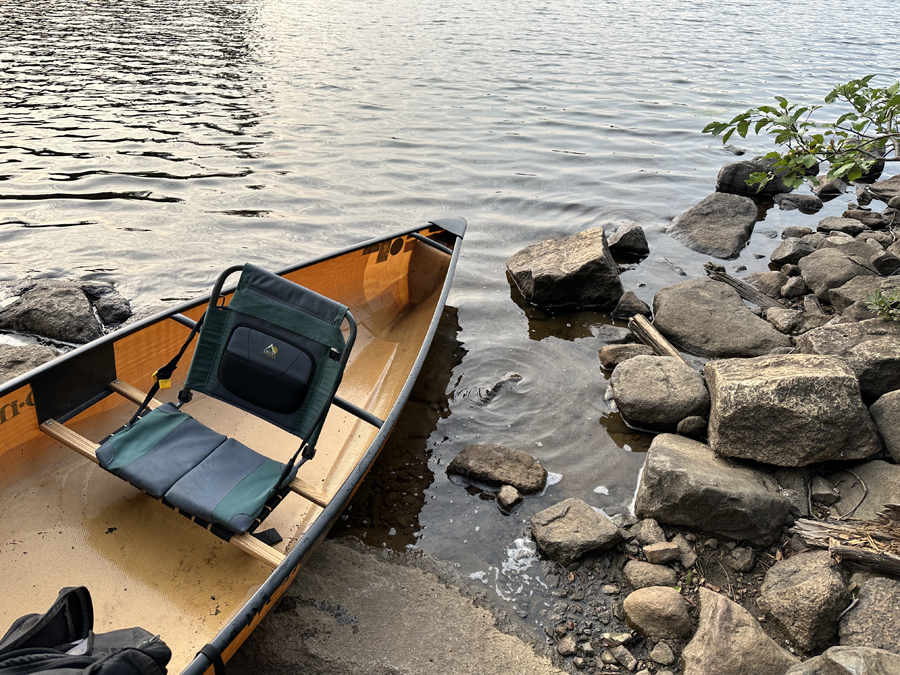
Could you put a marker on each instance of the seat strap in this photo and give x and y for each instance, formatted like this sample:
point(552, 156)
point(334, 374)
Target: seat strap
point(163, 376)
point(215, 657)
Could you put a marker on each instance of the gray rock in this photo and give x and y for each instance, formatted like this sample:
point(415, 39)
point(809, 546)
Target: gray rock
point(740, 559)
point(859, 289)
point(658, 611)
point(497, 465)
point(684, 483)
point(794, 287)
point(508, 497)
point(868, 218)
point(729, 641)
point(829, 189)
point(795, 231)
point(845, 225)
point(662, 654)
point(790, 271)
point(113, 309)
point(794, 484)
point(613, 355)
point(577, 270)
point(613, 335)
point(850, 661)
point(55, 309)
point(829, 268)
point(849, 246)
point(769, 283)
point(882, 486)
point(642, 574)
point(886, 415)
point(790, 251)
point(815, 238)
point(647, 532)
point(568, 530)
point(788, 410)
point(629, 239)
point(710, 319)
point(885, 262)
point(870, 348)
point(16, 360)
point(624, 657)
point(785, 320)
point(858, 311)
point(688, 556)
point(808, 204)
point(629, 305)
point(804, 596)
point(733, 178)
point(823, 492)
point(719, 226)
point(566, 646)
point(692, 427)
point(872, 623)
point(883, 238)
point(662, 552)
point(657, 392)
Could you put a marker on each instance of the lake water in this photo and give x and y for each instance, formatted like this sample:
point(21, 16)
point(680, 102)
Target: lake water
point(153, 143)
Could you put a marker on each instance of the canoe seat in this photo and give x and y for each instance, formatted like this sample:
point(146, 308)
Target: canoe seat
point(277, 351)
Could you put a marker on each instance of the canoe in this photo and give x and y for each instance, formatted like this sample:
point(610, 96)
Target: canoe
point(67, 522)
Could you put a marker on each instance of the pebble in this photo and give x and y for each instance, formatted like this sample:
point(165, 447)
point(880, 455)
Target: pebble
point(609, 589)
point(661, 553)
point(607, 657)
point(624, 657)
point(566, 646)
point(662, 654)
point(616, 639)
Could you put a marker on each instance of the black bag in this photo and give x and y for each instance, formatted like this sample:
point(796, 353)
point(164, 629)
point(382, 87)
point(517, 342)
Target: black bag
point(61, 642)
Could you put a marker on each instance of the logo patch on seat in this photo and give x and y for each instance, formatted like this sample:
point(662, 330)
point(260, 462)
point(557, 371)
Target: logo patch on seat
point(270, 351)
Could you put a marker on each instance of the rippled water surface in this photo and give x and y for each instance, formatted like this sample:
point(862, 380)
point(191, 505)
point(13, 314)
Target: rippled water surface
point(153, 143)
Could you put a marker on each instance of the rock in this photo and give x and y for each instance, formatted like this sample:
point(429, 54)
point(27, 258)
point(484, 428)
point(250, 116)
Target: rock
point(720, 225)
point(661, 553)
point(692, 427)
point(788, 410)
point(648, 532)
point(845, 225)
point(740, 559)
point(882, 486)
point(729, 641)
point(16, 360)
point(807, 204)
point(794, 485)
point(827, 190)
point(886, 190)
point(571, 528)
point(643, 574)
point(790, 271)
point(784, 320)
point(815, 239)
point(823, 492)
point(804, 596)
point(828, 268)
point(797, 231)
point(709, 318)
point(857, 312)
point(850, 661)
point(566, 646)
point(508, 497)
point(871, 349)
point(629, 239)
point(658, 611)
point(684, 483)
point(577, 270)
point(858, 289)
point(868, 218)
point(885, 262)
point(613, 335)
point(794, 287)
point(790, 251)
point(872, 623)
point(688, 556)
point(657, 392)
point(624, 657)
point(769, 283)
point(883, 238)
point(849, 246)
point(113, 309)
point(54, 309)
point(629, 305)
point(662, 654)
point(886, 415)
point(497, 465)
point(733, 179)
point(613, 355)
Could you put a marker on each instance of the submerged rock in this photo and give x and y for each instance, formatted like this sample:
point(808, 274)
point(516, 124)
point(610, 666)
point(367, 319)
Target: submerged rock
point(568, 530)
point(719, 226)
point(577, 270)
point(498, 465)
point(788, 410)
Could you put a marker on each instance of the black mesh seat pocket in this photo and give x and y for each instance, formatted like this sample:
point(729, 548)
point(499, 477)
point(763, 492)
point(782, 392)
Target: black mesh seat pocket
point(265, 371)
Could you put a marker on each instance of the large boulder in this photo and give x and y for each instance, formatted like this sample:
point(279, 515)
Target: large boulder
point(866, 490)
point(849, 661)
point(849, 226)
point(18, 359)
point(858, 289)
point(828, 268)
point(886, 190)
point(804, 596)
point(657, 392)
point(55, 309)
point(709, 318)
point(873, 621)
point(658, 611)
point(577, 270)
point(571, 528)
point(886, 415)
point(788, 410)
point(719, 226)
point(684, 483)
point(729, 641)
point(871, 348)
point(497, 465)
point(733, 178)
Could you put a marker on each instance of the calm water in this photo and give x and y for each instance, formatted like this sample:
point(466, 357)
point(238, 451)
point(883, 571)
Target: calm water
point(153, 143)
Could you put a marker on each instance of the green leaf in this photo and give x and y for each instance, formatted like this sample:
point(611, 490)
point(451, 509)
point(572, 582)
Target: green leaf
point(727, 135)
point(782, 102)
point(760, 124)
point(742, 128)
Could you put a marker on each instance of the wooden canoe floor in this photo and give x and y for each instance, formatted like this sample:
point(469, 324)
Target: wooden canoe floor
point(66, 522)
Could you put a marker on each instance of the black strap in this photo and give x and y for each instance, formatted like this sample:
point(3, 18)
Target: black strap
point(215, 657)
point(166, 371)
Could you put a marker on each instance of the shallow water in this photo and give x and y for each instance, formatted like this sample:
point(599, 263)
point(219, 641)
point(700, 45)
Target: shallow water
point(154, 143)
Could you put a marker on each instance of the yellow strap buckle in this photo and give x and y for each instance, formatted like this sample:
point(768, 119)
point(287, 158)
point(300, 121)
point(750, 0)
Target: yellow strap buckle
point(163, 384)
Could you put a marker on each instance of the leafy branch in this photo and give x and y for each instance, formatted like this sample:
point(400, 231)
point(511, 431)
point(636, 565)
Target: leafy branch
point(865, 132)
point(887, 306)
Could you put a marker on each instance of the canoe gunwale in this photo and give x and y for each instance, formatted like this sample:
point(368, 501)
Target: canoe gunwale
point(323, 523)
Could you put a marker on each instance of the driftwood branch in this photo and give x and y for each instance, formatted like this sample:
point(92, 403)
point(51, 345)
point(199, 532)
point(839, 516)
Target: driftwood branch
point(745, 290)
point(651, 337)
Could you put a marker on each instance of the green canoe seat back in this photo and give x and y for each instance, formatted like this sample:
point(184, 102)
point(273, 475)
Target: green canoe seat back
point(171, 456)
point(276, 351)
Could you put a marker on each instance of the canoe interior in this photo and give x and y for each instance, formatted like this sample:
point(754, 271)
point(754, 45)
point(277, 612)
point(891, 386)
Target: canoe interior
point(66, 522)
